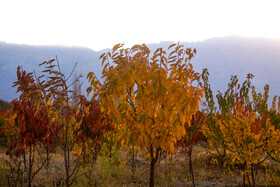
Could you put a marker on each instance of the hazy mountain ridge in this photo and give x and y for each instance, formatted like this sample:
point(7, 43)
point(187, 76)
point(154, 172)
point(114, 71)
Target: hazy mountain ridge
point(29, 57)
point(239, 56)
point(222, 56)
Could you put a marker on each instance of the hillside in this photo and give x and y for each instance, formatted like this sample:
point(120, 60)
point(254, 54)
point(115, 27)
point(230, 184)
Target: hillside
point(4, 106)
point(222, 56)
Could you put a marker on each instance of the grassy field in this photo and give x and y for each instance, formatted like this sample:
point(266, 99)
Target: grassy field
point(170, 171)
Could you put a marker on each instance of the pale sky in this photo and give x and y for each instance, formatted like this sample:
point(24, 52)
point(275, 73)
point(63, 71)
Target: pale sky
point(104, 23)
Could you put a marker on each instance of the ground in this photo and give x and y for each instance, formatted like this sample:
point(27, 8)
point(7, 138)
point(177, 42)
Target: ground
point(170, 171)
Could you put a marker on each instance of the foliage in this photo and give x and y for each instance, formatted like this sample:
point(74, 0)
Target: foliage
point(145, 101)
point(149, 97)
point(43, 117)
point(274, 116)
point(27, 127)
point(93, 128)
point(94, 124)
point(260, 102)
point(193, 131)
point(80, 130)
point(244, 132)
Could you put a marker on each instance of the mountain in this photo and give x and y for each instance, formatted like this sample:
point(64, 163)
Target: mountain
point(239, 56)
point(222, 57)
point(29, 57)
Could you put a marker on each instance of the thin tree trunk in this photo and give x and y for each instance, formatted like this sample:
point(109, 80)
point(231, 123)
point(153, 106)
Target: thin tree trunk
point(152, 172)
point(244, 182)
point(65, 149)
point(190, 165)
point(249, 181)
point(48, 158)
point(66, 167)
point(67, 144)
point(92, 166)
point(133, 160)
point(8, 179)
point(153, 163)
point(190, 159)
point(244, 177)
point(68, 157)
point(24, 159)
point(253, 175)
point(30, 166)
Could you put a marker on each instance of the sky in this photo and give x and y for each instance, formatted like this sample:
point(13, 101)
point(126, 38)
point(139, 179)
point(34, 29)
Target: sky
point(100, 24)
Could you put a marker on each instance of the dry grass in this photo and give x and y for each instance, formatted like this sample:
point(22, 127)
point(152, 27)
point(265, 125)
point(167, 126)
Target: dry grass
point(171, 171)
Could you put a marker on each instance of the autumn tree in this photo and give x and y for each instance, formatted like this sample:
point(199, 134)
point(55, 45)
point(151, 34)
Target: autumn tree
point(56, 97)
point(77, 127)
point(44, 114)
point(149, 96)
point(246, 137)
point(28, 129)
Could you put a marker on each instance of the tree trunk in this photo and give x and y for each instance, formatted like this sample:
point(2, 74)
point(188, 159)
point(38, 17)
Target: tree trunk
point(31, 162)
point(244, 176)
point(253, 175)
point(133, 160)
point(190, 159)
point(66, 147)
point(249, 181)
point(48, 158)
point(66, 167)
point(190, 165)
point(153, 163)
point(244, 183)
point(24, 159)
point(152, 173)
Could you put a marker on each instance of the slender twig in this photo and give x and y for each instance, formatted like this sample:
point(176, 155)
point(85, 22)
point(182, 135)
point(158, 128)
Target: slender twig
point(73, 69)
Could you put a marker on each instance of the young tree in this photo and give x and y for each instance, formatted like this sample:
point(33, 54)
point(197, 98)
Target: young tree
point(149, 97)
point(28, 125)
point(56, 93)
point(48, 99)
point(246, 136)
point(80, 124)
point(44, 115)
